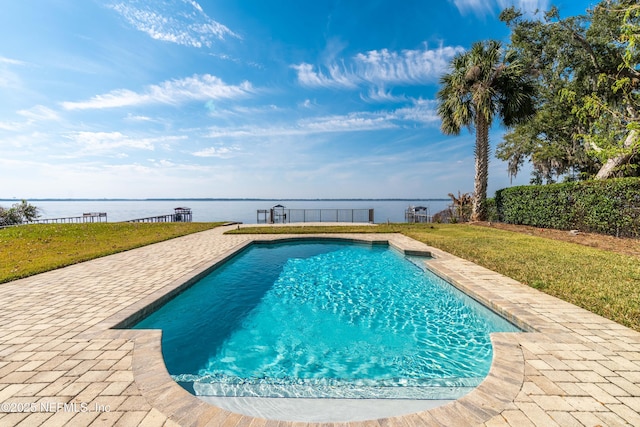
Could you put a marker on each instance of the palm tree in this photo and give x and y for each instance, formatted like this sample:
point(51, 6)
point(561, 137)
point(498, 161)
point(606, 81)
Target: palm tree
point(483, 82)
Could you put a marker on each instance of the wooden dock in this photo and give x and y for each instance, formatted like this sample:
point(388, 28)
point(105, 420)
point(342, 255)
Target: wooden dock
point(180, 215)
point(86, 217)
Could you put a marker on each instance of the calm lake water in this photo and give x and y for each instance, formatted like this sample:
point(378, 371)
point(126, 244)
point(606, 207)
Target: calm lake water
point(221, 210)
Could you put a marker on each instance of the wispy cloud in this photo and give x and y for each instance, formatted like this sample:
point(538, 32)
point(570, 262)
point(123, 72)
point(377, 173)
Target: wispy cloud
point(477, 7)
point(93, 143)
point(307, 103)
point(379, 68)
point(355, 122)
point(380, 94)
point(405, 67)
point(191, 26)
point(38, 113)
point(10, 61)
point(12, 126)
point(220, 152)
point(138, 118)
point(31, 116)
point(529, 7)
point(332, 76)
point(421, 111)
point(352, 122)
point(483, 8)
point(417, 112)
point(195, 88)
point(8, 78)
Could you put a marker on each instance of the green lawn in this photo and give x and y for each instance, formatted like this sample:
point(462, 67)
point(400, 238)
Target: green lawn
point(31, 249)
point(601, 281)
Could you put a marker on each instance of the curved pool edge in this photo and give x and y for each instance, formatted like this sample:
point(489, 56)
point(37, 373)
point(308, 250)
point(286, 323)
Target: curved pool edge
point(494, 395)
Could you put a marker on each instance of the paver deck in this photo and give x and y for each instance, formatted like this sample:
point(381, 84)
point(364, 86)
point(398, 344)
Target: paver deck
point(61, 363)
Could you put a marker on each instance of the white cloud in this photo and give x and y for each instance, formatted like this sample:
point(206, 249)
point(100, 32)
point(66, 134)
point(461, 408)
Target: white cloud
point(104, 141)
point(197, 87)
point(220, 152)
point(482, 8)
point(354, 122)
point(477, 7)
point(74, 179)
point(416, 112)
point(181, 22)
point(32, 115)
point(38, 113)
point(380, 94)
point(529, 7)
point(7, 77)
point(139, 118)
point(424, 111)
point(10, 61)
point(12, 126)
point(93, 143)
point(333, 77)
point(163, 163)
point(380, 67)
point(307, 103)
point(405, 67)
point(27, 144)
point(260, 109)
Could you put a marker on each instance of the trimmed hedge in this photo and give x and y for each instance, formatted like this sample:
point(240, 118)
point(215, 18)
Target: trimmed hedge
point(610, 206)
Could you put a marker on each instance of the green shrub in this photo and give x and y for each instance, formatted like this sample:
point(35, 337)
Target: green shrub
point(492, 210)
point(18, 214)
point(610, 207)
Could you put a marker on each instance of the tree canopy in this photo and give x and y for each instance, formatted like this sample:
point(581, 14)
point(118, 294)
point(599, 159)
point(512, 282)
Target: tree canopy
point(588, 93)
point(18, 214)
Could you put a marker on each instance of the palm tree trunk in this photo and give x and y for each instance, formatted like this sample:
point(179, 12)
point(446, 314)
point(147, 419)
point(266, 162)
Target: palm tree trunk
point(479, 212)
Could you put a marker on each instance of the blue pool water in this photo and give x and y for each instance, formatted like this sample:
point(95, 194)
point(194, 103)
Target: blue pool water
point(325, 319)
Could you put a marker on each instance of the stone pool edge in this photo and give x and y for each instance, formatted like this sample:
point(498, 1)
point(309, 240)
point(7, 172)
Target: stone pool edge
point(490, 398)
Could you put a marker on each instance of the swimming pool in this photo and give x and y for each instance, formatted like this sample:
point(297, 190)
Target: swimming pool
point(325, 319)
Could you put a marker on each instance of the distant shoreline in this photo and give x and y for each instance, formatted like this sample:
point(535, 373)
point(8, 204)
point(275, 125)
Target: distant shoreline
point(224, 199)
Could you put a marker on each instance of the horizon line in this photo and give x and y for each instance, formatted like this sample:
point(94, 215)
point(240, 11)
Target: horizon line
point(347, 199)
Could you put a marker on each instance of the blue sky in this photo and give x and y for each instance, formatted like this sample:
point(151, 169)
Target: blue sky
point(246, 98)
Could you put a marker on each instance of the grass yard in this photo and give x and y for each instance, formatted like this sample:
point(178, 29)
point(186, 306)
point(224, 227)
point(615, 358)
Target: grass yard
point(604, 282)
point(31, 249)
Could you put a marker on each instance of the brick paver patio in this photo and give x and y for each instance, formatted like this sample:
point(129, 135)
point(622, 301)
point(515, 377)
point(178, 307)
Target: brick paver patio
point(62, 364)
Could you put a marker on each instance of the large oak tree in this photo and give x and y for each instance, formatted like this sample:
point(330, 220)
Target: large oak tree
point(588, 91)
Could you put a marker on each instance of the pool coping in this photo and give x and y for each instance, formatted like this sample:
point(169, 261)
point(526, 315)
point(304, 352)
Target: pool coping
point(490, 398)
